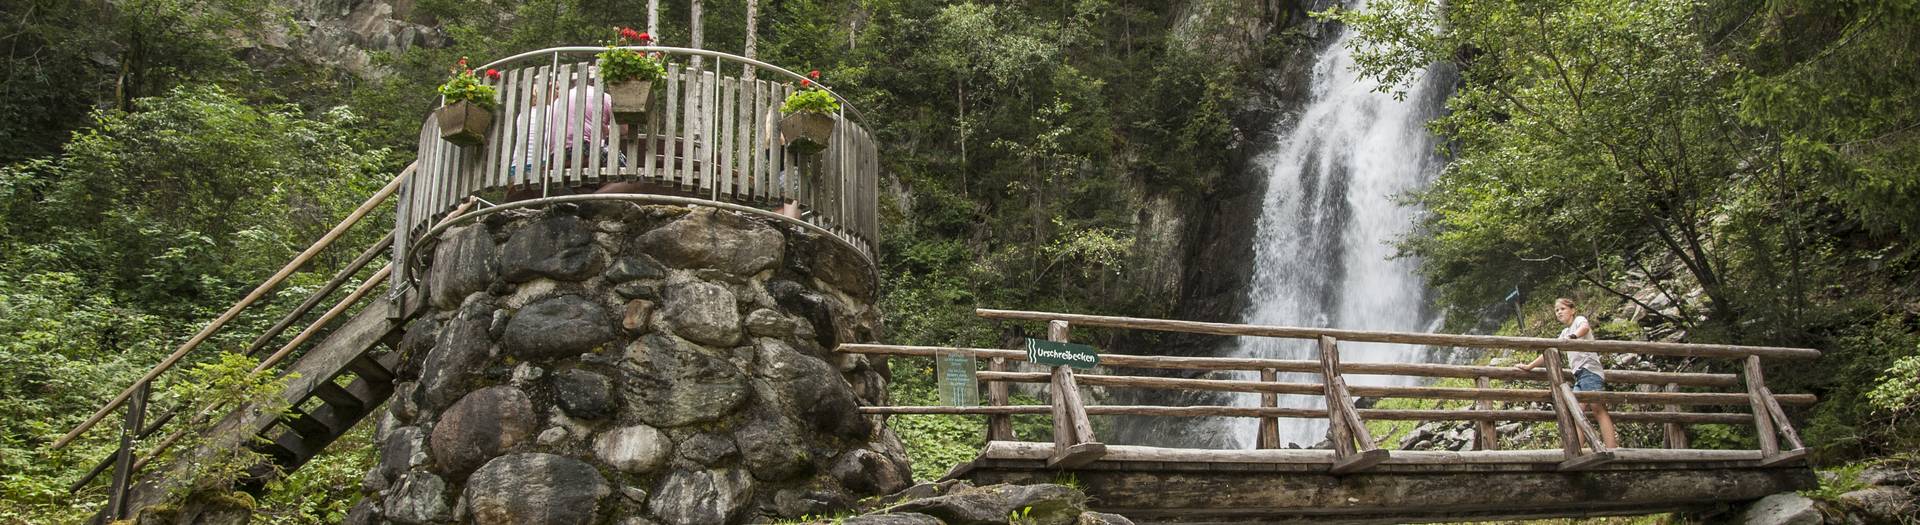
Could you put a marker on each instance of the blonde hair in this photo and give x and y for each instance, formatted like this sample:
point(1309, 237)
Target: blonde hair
point(1563, 301)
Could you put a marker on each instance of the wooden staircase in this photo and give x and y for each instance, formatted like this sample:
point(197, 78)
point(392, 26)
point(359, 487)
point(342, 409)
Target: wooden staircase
point(337, 383)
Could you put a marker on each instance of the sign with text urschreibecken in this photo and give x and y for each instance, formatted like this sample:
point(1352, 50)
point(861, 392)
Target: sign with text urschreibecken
point(1052, 353)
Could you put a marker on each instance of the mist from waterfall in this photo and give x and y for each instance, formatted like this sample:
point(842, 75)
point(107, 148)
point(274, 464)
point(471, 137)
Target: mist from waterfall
point(1322, 257)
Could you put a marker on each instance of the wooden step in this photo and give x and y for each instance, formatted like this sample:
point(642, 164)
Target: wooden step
point(334, 395)
point(369, 368)
point(306, 424)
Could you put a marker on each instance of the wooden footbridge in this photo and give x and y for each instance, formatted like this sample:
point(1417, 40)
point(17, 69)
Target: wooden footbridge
point(1358, 481)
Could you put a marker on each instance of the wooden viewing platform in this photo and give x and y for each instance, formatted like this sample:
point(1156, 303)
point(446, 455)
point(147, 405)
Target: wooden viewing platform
point(1356, 480)
point(710, 138)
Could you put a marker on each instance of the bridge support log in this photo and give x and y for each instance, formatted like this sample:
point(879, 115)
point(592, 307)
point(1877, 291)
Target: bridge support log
point(1352, 444)
point(1073, 441)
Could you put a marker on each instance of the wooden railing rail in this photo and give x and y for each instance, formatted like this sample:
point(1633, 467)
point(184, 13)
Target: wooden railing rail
point(1354, 448)
point(258, 292)
point(712, 133)
point(1414, 338)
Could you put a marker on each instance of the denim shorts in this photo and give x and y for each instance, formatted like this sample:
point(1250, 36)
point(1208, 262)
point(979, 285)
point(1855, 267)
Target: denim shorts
point(1586, 381)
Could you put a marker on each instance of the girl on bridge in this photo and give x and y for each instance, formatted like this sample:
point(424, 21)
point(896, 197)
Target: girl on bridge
point(1588, 375)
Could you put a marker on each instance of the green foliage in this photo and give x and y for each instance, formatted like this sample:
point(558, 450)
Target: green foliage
point(229, 380)
point(1898, 390)
point(1837, 481)
point(815, 101)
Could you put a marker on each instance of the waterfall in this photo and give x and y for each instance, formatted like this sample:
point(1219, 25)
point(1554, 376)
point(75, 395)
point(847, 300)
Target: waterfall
point(1321, 252)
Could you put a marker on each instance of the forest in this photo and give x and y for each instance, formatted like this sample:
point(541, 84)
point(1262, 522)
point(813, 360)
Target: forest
point(1756, 163)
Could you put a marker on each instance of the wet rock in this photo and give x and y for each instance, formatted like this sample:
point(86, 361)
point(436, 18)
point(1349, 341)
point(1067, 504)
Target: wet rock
point(482, 425)
point(773, 450)
point(768, 323)
point(809, 389)
point(558, 247)
point(867, 472)
point(702, 497)
point(583, 394)
point(899, 518)
point(634, 449)
point(707, 450)
point(1785, 508)
point(638, 312)
point(463, 263)
point(1881, 504)
point(535, 489)
point(557, 327)
point(670, 383)
point(414, 347)
point(1102, 518)
point(366, 512)
point(1044, 504)
point(709, 238)
point(404, 449)
point(419, 497)
point(457, 357)
point(636, 268)
point(702, 312)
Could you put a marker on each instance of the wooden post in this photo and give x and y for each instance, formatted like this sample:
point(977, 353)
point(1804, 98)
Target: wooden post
point(1073, 441)
point(1485, 435)
point(999, 427)
point(1569, 442)
point(1675, 432)
point(123, 460)
point(1762, 419)
point(1341, 411)
point(1269, 426)
point(1569, 410)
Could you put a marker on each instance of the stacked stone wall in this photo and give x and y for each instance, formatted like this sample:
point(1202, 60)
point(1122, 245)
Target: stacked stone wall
point(620, 363)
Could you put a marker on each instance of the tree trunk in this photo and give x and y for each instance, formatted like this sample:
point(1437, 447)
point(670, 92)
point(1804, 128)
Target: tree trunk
point(753, 35)
point(653, 19)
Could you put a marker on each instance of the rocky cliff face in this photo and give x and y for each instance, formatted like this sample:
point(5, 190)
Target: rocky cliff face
point(346, 33)
point(618, 363)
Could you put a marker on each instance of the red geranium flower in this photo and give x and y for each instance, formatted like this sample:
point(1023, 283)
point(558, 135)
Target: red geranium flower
point(645, 38)
point(806, 83)
point(493, 74)
point(815, 74)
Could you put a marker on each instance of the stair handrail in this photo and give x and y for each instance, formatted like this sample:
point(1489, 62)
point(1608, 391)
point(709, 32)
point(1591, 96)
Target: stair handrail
point(234, 311)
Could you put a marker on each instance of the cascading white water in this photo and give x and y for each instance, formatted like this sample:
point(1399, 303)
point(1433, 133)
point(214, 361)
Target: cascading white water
point(1321, 248)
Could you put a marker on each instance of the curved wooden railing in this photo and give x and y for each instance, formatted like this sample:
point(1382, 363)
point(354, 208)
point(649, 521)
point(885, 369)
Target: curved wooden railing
point(711, 133)
point(1354, 447)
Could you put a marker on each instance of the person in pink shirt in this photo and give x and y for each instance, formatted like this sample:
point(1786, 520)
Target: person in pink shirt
point(573, 125)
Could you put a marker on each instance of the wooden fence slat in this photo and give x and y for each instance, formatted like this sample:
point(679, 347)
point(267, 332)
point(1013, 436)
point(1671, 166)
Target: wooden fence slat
point(723, 171)
point(1485, 435)
point(1269, 437)
point(673, 150)
point(593, 131)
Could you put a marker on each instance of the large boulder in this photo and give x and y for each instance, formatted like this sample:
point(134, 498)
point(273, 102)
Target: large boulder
point(710, 238)
point(636, 449)
point(1785, 508)
point(703, 312)
point(463, 263)
point(702, 497)
point(456, 360)
point(558, 247)
point(482, 425)
point(990, 505)
point(419, 497)
point(809, 389)
point(1881, 504)
point(671, 383)
point(557, 327)
point(535, 489)
point(583, 394)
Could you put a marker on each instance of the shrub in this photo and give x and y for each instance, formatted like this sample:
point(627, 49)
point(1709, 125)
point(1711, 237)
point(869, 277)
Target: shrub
point(467, 86)
point(626, 65)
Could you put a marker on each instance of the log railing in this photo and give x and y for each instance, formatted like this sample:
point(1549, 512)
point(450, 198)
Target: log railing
point(1354, 448)
point(711, 132)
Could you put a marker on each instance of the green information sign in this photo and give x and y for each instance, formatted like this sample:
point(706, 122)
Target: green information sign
point(958, 387)
point(1053, 353)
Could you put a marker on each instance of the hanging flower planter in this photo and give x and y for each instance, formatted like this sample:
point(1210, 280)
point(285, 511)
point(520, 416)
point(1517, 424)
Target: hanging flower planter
point(468, 113)
point(629, 74)
point(464, 123)
point(807, 124)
